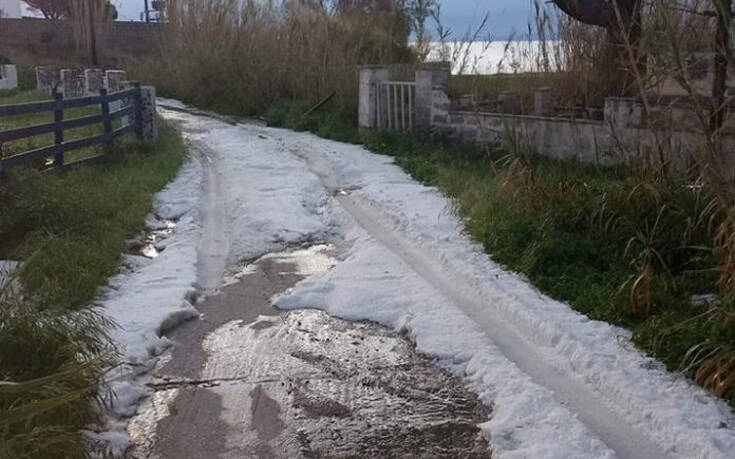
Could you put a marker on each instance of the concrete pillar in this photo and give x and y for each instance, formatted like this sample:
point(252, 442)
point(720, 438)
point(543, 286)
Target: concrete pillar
point(543, 102)
point(72, 83)
point(126, 102)
point(113, 80)
point(47, 78)
point(8, 77)
point(148, 112)
point(432, 99)
point(113, 83)
point(370, 78)
point(94, 80)
point(509, 102)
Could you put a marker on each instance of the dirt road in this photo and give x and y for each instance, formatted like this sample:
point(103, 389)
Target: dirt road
point(333, 236)
point(251, 381)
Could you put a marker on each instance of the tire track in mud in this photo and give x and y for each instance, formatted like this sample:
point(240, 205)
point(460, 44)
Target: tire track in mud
point(252, 381)
point(213, 247)
point(609, 427)
point(247, 380)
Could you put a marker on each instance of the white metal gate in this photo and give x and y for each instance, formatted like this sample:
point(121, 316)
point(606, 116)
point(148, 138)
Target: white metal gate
point(395, 108)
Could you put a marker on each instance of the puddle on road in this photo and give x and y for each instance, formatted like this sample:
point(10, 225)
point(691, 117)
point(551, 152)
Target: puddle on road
point(371, 393)
point(301, 383)
point(150, 244)
point(314, 260)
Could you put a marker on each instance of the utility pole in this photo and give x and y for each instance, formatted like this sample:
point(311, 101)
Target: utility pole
point(146, 12)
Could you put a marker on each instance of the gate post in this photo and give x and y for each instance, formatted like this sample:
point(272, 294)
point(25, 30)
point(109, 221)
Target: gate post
point(432, 100)
point(370, 78)
point(147, 113)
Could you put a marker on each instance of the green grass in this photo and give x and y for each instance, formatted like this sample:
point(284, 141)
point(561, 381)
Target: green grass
point(72, 227)
point(70, 230)
point(333, 123)
point(581, 234)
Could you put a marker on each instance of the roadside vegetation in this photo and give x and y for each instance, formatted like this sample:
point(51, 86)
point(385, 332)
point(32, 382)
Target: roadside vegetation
point(69, 232)
point(615, 244)
point(642, 246)
point(239, 57)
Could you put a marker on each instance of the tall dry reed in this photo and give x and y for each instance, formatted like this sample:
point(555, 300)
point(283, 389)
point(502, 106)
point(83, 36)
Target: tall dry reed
point(240, 57)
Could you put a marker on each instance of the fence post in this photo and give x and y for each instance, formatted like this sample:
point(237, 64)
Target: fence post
point(59, 128)
point(148, 112)
point(138, 111)
point(106, 121)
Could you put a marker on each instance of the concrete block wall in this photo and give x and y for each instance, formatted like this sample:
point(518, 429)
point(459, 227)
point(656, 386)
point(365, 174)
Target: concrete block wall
point(72, 83)
point(75, 83)
point(78, 83)
point(626, 133)
point(94, 80)
point(47, 79)
point(114, 80)
point(8, 76)
point(554, 137)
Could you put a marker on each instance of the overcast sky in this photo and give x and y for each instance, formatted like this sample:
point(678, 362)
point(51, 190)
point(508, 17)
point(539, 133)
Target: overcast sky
point(506, 16)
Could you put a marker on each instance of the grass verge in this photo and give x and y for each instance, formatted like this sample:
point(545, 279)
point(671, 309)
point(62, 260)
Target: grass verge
point(69, 230)
point(72, 228)
point(616, 245)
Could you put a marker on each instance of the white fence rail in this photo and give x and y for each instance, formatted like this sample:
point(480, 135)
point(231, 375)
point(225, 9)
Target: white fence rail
point(395, 105)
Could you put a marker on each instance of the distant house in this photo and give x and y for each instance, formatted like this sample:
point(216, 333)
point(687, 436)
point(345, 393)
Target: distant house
point(10, 9)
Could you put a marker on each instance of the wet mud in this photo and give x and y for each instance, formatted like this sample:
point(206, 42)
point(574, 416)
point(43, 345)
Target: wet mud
point(249, 380)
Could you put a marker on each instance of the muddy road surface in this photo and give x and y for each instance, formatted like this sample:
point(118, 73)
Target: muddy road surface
point(248, 380)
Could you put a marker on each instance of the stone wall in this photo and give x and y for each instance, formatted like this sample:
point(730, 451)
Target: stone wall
point(559, 138)
point(672, 131)
point(90, 82)
point(34, 40)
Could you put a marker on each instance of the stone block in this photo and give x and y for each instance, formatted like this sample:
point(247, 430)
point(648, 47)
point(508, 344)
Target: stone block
point(114, 80)
point(544, 102)
point(148, 112)
point(72, 83)
point(47, 79)
point(114, 83)
point(509, 103)
point(94, 80)
point(8, 77)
